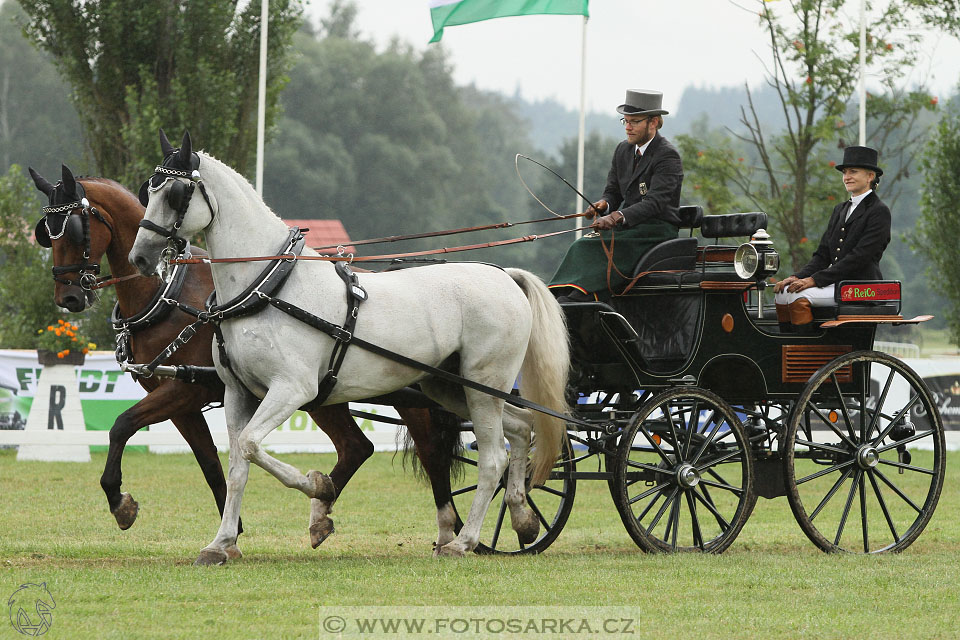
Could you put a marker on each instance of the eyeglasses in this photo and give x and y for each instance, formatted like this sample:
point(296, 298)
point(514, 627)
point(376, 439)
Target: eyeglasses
point(633, 122)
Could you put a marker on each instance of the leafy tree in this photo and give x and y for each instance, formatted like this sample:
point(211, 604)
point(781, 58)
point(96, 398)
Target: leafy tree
point(26, 302)
point(135, 66)
point(938, 231)
point(814, 69)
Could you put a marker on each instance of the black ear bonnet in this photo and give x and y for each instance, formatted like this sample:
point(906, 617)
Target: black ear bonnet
point(172, 161)
point(57, 221)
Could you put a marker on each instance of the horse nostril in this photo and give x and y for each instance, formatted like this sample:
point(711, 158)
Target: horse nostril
point(73, 303)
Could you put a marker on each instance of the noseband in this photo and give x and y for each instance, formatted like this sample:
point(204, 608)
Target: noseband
point(76, 227)
point(179, 200)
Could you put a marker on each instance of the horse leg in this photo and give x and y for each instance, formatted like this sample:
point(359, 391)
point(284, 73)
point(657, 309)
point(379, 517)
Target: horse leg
point(353, 449)
point(517, 426)
point(435, 443)
point(486, 413)
point(153, 408)
point(239, 405)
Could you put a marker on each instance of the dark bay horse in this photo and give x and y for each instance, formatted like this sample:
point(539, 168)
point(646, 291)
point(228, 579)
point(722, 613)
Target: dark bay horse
point(80, 235)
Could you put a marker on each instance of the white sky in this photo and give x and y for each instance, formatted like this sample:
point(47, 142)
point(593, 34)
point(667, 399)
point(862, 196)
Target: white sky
point(664, 45)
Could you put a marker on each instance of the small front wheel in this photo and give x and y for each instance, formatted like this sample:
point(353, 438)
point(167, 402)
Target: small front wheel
point(684, 473)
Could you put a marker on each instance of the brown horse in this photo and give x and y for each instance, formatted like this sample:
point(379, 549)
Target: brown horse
point(91, 217)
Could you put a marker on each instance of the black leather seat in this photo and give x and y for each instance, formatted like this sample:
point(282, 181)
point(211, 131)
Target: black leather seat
point(678, 254)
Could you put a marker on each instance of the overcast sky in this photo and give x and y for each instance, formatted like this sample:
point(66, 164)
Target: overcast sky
point(639, 44)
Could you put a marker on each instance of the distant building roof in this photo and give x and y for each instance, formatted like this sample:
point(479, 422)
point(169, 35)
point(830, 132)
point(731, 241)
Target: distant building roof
point(323, 233)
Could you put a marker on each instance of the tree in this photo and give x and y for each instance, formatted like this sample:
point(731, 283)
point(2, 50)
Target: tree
point(181, 64)
point(938, 231)
point(814, 69)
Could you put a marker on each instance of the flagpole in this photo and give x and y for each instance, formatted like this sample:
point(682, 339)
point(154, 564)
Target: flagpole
point(863, 73)
point(262, 92)
point(583, 109)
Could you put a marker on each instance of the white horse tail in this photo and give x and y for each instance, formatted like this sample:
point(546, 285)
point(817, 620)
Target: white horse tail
point(543, 376)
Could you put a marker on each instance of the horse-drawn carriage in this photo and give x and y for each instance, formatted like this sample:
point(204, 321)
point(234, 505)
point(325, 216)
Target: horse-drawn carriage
point(688, 400)
point(700, 405)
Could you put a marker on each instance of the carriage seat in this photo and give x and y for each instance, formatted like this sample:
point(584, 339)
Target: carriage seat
point(733, 225)
point(678, 254)
point(862, 298)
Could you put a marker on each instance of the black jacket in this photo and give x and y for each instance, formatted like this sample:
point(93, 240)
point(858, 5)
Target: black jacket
point(659, 174)
point(851, 250)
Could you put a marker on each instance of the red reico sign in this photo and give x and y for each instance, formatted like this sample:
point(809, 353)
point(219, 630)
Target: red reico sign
point(870, 292)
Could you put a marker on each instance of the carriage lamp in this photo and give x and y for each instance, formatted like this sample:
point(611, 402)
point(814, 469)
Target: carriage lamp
point(756, 259)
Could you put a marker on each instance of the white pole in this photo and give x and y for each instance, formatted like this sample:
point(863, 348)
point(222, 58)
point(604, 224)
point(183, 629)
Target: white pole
point(863, 72)
point(583, 110)
point(262, 97)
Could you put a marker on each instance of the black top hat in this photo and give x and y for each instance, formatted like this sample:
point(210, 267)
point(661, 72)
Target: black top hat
point(862, 158)
point(642, 103)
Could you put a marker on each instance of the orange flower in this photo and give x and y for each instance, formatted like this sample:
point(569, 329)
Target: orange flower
point(832, 163)
point(50, 327)
point(934, 100)
point(60, 321)
point(61, 354)
point(699, 154)
point(803, 240)
point(809, 80)
point(85, 350)
point(831, 198)
point(70, 333)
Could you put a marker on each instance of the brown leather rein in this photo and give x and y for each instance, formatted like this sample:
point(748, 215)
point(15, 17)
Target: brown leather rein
point(411, 254)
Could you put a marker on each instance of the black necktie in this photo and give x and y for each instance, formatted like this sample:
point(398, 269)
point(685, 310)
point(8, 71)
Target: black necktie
point(636, 159)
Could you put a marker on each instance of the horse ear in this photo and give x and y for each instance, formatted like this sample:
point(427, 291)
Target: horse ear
point(42, 183)
point(69, 182)
point(165, 145)
point(186, 149)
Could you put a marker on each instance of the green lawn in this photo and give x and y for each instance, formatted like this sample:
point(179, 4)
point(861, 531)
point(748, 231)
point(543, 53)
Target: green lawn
point(140, 583)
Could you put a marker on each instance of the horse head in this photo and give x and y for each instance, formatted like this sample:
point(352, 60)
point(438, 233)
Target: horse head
point(78, 234)
point(171, 214)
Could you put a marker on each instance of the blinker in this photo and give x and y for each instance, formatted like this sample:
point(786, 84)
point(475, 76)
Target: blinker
point(74, 230)
point(175, 197)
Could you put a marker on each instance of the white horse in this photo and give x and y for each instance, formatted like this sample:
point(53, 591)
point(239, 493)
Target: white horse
point(495, 323)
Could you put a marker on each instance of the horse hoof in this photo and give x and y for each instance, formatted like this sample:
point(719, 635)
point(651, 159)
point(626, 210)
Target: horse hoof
point(448, 551)
point(528, 531)
point(324, 489)
point(320, 531)
point(126, 512)
point(210, 557)
point(233, 552)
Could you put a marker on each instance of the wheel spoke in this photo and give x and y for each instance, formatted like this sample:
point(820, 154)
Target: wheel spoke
point(551, 490)
point(880, 401)
point(458, 492)
point(814, 476)
point(639, 497)
point(703, 447)
point(883, 504)
point(914, 437)
point(659, 515)
point(648, 507)
point(694, 522)
point(908, 467)
point(863, 515)
point(719, 485)
point(843, 407)
point(533, 506)
point(897, 491)
point(832, 427)
point(846, 507)
point(499, 524)
point(674, 523)
point(673, 431)
point(647, 467)
point(830, 494)
point(653, 443)
point(712, 509)
point(715, 461)
point(895, 419)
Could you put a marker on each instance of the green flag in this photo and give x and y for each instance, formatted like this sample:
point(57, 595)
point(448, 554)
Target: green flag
point(449, 13)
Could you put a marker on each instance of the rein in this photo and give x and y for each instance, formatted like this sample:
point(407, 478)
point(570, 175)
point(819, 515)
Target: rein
point(377, 258)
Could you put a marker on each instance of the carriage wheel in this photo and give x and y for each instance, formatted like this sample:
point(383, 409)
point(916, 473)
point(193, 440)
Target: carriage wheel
point(684, 473)
point(551, 501)
point(864, 474)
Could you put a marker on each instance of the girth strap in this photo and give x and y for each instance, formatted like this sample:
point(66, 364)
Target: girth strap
point(355, 295)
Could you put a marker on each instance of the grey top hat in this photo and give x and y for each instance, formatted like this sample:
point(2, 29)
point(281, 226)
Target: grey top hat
point(642, 103)
point(861, 158)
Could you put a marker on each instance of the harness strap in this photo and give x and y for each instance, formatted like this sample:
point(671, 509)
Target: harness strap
point(355, 295)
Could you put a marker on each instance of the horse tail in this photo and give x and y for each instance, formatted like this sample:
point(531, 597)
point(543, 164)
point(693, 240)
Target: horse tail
point(543, 376)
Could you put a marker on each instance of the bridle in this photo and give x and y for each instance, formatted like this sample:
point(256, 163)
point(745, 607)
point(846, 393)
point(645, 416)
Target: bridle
point(74, 219)
point(178, 198)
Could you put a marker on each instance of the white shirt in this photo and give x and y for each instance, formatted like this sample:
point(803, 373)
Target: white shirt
point(855, 200)
point(642, 150)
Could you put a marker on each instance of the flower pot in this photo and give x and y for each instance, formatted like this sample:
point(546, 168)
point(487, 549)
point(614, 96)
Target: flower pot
point(48, 358)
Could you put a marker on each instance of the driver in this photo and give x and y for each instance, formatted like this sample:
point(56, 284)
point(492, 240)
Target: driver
point(850, 249)
point(641, 202)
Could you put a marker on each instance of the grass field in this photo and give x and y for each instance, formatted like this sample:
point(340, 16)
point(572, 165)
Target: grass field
point(55, 528)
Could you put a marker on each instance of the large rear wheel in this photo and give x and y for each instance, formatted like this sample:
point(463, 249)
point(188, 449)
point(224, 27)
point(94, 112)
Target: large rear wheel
point(864, 455)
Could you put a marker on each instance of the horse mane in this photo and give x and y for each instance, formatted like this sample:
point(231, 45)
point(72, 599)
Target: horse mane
point(108, 182)
point(240, 182)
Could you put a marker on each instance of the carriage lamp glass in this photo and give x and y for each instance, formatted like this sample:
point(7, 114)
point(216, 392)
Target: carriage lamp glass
point(756, 259)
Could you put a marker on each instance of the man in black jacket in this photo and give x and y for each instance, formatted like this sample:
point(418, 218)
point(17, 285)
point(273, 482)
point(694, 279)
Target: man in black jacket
point(640, 203)
point(857, 234)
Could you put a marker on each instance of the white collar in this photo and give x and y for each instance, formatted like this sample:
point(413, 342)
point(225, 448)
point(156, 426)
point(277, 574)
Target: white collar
point(855, 200)
point(643, 149)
